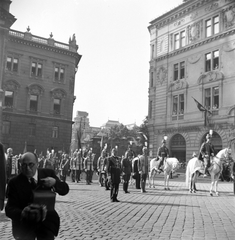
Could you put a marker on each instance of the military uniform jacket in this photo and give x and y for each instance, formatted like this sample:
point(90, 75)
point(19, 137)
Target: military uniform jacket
point(100, 163)
point(206, 149)
point(126, 166)
point(114, 169)
point(79, 162)
point(143, 164)
point(88, 163)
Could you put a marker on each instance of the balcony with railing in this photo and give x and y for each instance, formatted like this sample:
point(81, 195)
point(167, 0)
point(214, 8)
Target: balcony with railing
point(72, 46)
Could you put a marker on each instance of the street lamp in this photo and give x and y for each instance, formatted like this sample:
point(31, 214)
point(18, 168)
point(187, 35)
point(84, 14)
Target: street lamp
point(165, 137)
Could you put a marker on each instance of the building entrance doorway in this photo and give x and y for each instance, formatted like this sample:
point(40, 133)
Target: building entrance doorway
point(178, 147)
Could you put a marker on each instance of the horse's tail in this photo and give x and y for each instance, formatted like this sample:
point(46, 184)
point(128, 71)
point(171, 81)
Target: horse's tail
point(187, 175)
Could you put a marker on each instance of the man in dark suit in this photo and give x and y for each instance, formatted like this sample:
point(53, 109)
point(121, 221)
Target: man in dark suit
point(114, 174)
point(27, 222)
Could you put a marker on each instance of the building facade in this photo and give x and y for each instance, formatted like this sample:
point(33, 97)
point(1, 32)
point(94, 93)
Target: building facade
point(38, 79)
point(192, 57)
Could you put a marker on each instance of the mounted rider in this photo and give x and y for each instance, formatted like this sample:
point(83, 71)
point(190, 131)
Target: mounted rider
point(162, 154)
point(207, 152)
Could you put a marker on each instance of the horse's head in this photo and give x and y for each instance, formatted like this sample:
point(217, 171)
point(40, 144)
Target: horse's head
point(224, 154)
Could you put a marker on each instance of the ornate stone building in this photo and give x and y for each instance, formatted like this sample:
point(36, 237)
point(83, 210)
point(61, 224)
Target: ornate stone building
point(192, 57)
point(37, 78)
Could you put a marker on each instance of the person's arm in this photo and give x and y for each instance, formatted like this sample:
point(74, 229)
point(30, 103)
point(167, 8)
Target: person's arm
point(13, 209)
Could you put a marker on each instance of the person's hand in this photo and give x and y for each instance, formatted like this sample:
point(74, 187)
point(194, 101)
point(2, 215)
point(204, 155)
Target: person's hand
point(48, 181)
point(32, 213)
point(140, 172)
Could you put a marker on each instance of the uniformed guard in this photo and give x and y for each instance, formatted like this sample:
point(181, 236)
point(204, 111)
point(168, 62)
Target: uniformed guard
point(207, 152)
point(126, 165)
point(114, 174)
point(143, 168)
point(73, 166)
point(88, 166)
point(79, 165)
point(101, 166)
point(162, 154)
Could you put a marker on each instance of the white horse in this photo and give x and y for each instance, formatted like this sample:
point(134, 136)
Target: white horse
point(170, 165)
point(194, 166)
point(217, 167)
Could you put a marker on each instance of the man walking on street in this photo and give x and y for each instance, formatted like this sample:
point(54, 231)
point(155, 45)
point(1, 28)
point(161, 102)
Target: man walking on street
point(114, 173)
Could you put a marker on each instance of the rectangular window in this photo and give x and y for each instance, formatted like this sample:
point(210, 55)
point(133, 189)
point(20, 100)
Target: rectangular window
point(33, 105)
point(182, 38)
point(175, 105)
point(208, 62)
point(57, 103)
point(6, 125)
point(55, 132)
point(179, 71)
point(150, 109)
point(208, 98)
point(9, 97)
point(215, 98)
point(59, 74)
point(182, 70)
point(36, 69)
point(177, 41)
point(178, 105)
point(208, 28)
point(151, 79)
point(181, 104)
point(12, 64)
point(176, 71)
point(215, 59)
point(212, 26)
point(152, 51)
point(32, 129)
point(216, 25)
point(212, 61)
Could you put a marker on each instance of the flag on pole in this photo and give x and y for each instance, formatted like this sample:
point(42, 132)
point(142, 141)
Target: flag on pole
point(203, 109)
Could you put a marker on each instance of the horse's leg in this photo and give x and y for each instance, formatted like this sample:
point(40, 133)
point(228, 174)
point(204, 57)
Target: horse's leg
point(154, 171)
point(212, 184)
point(191, 183)
point(167, 181)
point(216, 185)
point(149, 179)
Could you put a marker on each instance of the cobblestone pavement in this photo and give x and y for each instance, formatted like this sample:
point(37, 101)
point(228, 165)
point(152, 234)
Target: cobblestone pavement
point(86, 213)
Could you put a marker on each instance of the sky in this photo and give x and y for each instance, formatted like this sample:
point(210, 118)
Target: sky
point(113, 38)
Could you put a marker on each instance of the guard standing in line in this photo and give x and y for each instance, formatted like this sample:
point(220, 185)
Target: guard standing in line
point(79, 165)
point(207, 151)
point(126, 165)
point(114, 174)
point(162, 154)
point(143, 168)
point(101, 166)
point(73, 166)
point(88, 166)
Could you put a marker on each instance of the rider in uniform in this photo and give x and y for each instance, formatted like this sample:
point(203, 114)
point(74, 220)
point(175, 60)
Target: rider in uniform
point(162, 154)
point(114, 173)
point(207, 151)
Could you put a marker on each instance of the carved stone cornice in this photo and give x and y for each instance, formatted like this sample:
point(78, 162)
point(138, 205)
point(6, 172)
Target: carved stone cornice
point(183, 10)
point(11, 85)
point(198, 44)
point(178, 85)
point(35, 89)
point(58, 93)
point(210, 77)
